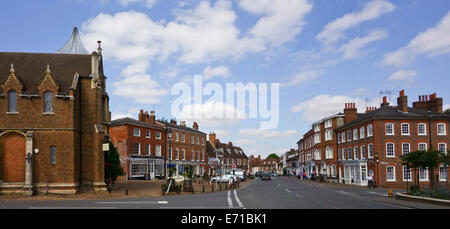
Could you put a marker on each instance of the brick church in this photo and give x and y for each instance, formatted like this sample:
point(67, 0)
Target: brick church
point(54, 117)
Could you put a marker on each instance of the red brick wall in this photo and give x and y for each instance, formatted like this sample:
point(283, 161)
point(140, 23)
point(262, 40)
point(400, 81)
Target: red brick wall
point(13, 157)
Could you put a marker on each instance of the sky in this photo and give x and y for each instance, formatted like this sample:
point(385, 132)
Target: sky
point(323, 54)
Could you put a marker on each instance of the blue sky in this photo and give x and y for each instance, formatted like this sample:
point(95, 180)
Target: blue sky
point(324, 53)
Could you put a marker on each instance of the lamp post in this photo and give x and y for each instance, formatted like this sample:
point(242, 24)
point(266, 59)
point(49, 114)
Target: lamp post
point(378, 175)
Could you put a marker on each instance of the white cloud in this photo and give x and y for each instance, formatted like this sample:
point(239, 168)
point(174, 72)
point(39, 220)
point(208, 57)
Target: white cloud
point(147, 3)
point(301, 77)
point(433, 42)
point(211, 114)
point(264, 133)
point(221, 71)
point(403, 75)
point(140, 87)
point(281, 21)
point(353, 48)
point(335, 30)
point(445, 107)
point(322, 106)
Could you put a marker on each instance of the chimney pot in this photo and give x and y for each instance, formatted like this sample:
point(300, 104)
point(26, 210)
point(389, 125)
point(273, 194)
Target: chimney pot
point(402, 93)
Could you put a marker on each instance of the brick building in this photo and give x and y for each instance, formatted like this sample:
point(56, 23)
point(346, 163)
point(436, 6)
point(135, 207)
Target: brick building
point(292, 166)
point(273, 165)
point(186, 147)
point(141, 145)
point(325, 146)
point(54, 117)
point(373, 142)
point(232, 157)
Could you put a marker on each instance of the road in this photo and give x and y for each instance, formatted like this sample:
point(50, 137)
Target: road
point(279, 193)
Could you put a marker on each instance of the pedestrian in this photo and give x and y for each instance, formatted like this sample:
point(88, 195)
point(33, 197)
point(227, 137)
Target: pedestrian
point(313, 176)
point(351, 178)
point(370, 180)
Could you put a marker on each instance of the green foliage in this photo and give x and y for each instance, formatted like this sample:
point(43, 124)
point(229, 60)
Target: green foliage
point(171, 171)
point(188, 172)
point(272, 156)
point(112, 165)
point(425, 159)
point(447, 111)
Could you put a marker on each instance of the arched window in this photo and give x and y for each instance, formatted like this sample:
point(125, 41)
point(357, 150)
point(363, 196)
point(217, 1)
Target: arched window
point(12, 101)
point(48, 102)
point(53, 155)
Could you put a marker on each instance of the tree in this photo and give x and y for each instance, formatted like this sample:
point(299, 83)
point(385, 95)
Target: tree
point(272, 156)
point(425, 159)
point(113, 169)
point(447, 111)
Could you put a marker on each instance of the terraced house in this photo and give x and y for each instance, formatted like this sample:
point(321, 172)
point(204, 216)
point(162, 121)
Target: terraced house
point(233, 157)
point(141, 146)
point(54, 117)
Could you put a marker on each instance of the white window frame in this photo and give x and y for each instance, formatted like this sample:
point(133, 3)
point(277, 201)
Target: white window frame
point(393, 150)
point(177, 156)
point(442, 171)
point(158, 152)
point(349, 135)
point(355, 134)
point(369, 130)
point(409, 129)
point(183, 154)
point(148, 134)
point(134, 132)
point(370, 151)
point(362, 132)
point(386, 129)
point(363, 152)
point(409, 178)
point(424, 129)
point(148, 149)
point(445, 147)
point(403, 148)
point(393, 174)
point(445, 129)
point(157, 135)
point(355, 153)
point(344, 151)
point(422, 143)
point(176, 136)
point(139, 148)
point(425, 177)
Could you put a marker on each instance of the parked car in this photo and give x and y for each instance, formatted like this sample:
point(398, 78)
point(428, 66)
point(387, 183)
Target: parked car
point(274, 174)
point(224, 178)
point(266, 176)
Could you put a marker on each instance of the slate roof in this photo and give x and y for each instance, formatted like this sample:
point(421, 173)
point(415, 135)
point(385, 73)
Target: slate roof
point(185, 128)
point(124, 121)
point(30, 69)
point(392, 112)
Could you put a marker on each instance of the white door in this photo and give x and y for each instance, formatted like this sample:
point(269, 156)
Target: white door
point(152, 169)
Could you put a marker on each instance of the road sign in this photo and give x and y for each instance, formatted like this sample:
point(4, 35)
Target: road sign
point(106, 147)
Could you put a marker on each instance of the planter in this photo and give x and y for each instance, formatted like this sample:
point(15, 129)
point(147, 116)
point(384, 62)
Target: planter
point(187, 186)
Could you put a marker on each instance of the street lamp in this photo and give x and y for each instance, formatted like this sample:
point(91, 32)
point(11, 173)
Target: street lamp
point(378, 175)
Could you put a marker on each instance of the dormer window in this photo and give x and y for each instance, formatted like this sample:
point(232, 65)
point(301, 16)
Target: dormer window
point(12, 102)
point(48, 102)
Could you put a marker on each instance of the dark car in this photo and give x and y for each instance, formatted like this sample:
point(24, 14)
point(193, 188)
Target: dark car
point(266, 176)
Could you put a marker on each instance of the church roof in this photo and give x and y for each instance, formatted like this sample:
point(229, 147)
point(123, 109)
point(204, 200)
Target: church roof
point(74, 45)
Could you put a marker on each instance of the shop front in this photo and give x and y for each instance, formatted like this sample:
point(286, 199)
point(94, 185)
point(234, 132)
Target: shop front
point(355, 172)
point(146, 167)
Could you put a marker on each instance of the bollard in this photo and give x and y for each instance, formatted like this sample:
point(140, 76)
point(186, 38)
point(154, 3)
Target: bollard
point(126, 191)
point(203, 188)
point(390, 193)
point(226, 187)
point(220, 187)
point(212, 188)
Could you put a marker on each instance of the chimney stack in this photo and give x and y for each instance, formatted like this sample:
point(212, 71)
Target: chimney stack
point(183, 123)
point(402, 102)
point(385, 102)
point(152, 117)
point(195, 126)
point(212, 139)
point(430, 103)
point(350, 111)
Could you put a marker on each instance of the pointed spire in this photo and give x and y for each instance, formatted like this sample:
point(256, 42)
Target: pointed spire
point(74, 45)
point(11, 70)
point(48, 69)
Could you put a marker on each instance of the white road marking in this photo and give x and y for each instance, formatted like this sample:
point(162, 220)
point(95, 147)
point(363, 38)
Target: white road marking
point(238, 200)
point(300, 196)
point(230, 202)
point(376, 193)
point(72, 208)
point(287, 190)
point(135, 202)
